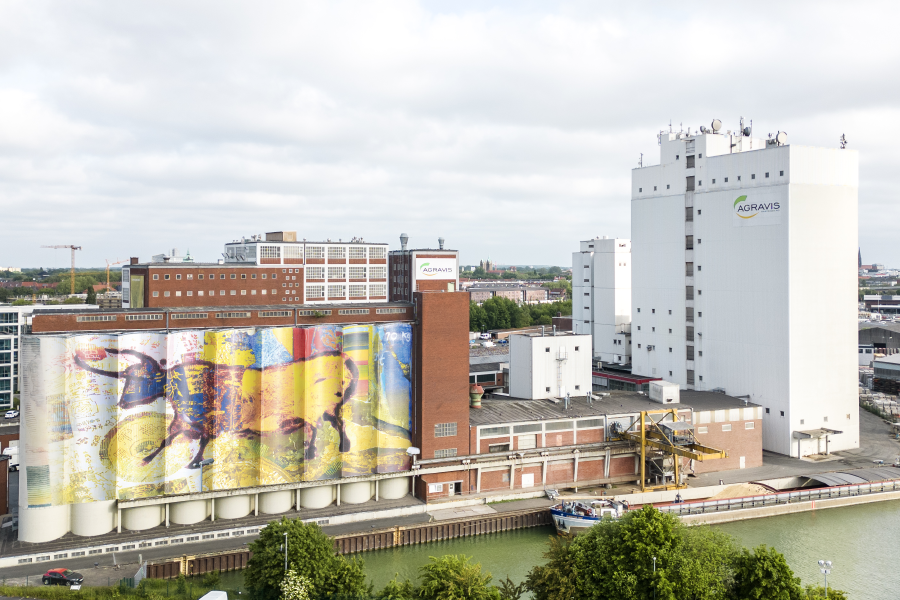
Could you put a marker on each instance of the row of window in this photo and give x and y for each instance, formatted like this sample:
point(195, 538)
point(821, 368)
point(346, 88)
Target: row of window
point(727, 427)
point(167, 294)
point(504, 430)
point(189, 276)
point(9, 317)
point(690, 182)
point(356, 272)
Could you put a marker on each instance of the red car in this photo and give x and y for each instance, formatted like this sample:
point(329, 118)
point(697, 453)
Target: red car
point(62, 577)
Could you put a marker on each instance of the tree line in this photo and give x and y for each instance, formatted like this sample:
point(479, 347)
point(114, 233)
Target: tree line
point(503, 313)
point(643, 556)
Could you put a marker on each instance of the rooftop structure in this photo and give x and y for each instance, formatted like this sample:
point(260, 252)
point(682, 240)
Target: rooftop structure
point(601, 297)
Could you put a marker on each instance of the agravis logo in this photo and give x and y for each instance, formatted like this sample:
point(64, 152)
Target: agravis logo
point(748, 210)
point(428, 271)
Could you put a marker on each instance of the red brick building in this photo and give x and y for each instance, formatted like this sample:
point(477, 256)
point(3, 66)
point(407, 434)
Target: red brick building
point(422, 270)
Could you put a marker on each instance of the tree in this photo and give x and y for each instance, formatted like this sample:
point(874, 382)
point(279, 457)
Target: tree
point(453, 577)
point(556, 579)
point(91, 295)
point(294, 587)
point(764, 575)
point(310, 553)
point(511, 591)
point(817, 592)
point(397, 590)
point(477, 318)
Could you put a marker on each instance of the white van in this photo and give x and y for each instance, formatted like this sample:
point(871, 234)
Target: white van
point(485, 336)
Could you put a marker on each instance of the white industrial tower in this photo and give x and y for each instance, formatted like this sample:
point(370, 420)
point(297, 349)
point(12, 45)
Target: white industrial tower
point(744, 279)
point(601, 297)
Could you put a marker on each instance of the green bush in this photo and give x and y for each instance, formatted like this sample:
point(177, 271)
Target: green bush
point(211, 579)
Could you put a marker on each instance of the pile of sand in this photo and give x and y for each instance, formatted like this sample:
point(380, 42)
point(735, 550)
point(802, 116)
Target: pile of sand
point(740, 490)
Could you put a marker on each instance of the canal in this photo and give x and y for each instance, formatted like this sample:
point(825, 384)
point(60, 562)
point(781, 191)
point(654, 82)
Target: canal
point(860, 540)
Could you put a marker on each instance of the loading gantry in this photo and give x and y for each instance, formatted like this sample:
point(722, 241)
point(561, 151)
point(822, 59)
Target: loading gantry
point(660, 439)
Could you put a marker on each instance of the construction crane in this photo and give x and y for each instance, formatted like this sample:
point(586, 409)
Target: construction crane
point(73, 249)
point(108, 265)
point(662, 436)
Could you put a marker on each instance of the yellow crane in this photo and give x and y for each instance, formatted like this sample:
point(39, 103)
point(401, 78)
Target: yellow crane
point(662, 435)
point(108, 265)
point(73, 249)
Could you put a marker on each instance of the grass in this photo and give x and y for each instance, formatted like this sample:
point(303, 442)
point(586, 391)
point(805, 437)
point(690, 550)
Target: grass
point(150, 589)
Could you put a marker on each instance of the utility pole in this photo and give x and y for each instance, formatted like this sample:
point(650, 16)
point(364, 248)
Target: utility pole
point(73, 249)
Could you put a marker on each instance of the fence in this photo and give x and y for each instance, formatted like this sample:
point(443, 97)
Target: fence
point(706, 506)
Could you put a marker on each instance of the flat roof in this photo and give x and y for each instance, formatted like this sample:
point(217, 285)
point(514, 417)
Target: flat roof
point(497, 409)
point(485, 367)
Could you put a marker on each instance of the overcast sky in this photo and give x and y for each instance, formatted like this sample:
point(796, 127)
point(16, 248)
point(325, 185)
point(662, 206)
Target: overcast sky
point(509, 128)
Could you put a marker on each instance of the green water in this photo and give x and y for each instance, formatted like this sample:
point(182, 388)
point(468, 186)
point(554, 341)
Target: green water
point(862, 542)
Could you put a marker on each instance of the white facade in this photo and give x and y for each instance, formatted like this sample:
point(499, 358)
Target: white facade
point(15, 320)
point(601, 297)
point(549, 366)
point(733, 239)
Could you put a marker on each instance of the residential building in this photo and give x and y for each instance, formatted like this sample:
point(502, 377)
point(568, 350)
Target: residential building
point(601, 297)
point(520, 294)
point(15, 321)
point(732, 235)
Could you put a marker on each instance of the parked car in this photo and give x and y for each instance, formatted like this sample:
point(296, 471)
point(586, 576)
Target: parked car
point(11, 414)
point(62, 577)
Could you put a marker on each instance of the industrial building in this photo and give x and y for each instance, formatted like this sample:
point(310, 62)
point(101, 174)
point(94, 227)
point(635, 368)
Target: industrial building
point(422, 270)
point(551, 365)
point(731, 237)
point(601, 297)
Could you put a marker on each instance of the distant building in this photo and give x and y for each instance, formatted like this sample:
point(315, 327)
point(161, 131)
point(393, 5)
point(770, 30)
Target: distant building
point(518, 293)
point(549, 366)
point(601, 297)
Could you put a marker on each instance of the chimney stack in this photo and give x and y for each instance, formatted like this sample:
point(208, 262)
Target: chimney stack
point(134, 260)
point(441, 243)
point(403, 239)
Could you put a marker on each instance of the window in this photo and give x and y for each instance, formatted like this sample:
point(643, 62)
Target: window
point(530, 428)
point(699, 212)
point(357, 272)
point(293, 251)
point(337, 272)
point(378, 252)
point(314, 291)
point(446, 453)
point(577, 348)
point(639, 309)
point(243, 292)
point(336, 252)
point(337, 291)
point(263, 275)
point(178, 276)
point(495, 448)
point(95, 318)
point(156, 294)
point(654, 189)
point(700, 353)
point(155, 276)
point(234, 292)
point(390, 311)
point(652, 311)
point(559, 426)
point(714, 182)
point(781, 173)
point(274, 275)
point(577, 387)
point(200, 276)
point(177, 316)
point(233, 315)
point(667, 186)
point(739, 177)
point(166, 276)
point(826, 419)
point(677, 157)
point(547, 389)
point(221, 292)
point(353, 311)
point(699, 313)
point(689, 162)
point(377, 273)
point(377, 289)
point(670, 331)
point(270, 252)
point(222, 276)
point(177, 294)
point(749, 425)
point(782, 413)
point(640, 189)
point(703, 430)
point(166, 294)
point(753, 176)
point(313, 313)
point(726, 427)
point(358, 291)
point(547, 349)
point(233, 276)
point(493, 431)
point(767, 174)
point(243, 276)
point(444, 430)
point(190, 276)
point(726, 180)
point(435, 488)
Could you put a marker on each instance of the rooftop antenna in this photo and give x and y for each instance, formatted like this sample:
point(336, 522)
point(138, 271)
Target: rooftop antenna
point(670, 125)
point(641, 161)
point(843, 141)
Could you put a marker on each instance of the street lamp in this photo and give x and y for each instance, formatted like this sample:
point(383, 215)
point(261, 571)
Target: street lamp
point(825, 568)
point(203, 463)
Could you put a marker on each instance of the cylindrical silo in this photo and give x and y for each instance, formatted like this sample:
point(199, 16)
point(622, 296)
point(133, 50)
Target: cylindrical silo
point(94, 518)
point(143, 517)
point(38, 525)
point(188, 513)
point(273, 503)
point(317, 497)
point(233, 507)
point(393, 489)
point(357, 492)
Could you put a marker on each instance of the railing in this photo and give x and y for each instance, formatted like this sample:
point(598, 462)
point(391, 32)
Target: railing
point(700, 507)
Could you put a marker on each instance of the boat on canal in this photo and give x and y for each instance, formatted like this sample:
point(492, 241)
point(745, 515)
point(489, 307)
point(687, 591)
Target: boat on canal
point(575, 516)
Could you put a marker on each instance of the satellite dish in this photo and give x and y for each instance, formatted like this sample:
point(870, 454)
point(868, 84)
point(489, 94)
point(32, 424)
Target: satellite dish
point(703, 129)
point(746, 132)
point(781, 137)
point(716, 125)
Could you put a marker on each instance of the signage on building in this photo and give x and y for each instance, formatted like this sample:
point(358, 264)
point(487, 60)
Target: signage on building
point(436, 268)
point(756, 209)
